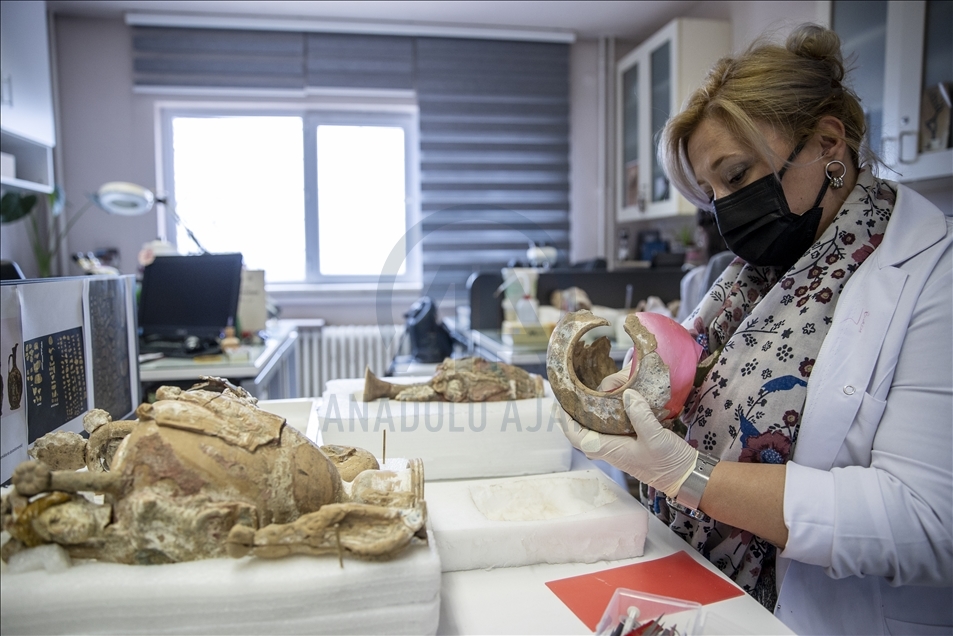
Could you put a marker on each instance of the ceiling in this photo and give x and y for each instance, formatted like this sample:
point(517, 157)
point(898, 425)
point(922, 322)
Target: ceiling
point(629, 19)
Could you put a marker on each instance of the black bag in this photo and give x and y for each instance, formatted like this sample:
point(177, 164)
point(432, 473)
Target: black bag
point(429, 339)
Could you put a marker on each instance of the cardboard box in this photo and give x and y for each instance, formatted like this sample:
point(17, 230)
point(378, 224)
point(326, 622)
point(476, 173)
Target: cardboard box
point(8, 165)
point(252, 305)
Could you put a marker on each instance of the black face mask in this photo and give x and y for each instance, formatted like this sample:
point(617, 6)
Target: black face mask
point(758, 225)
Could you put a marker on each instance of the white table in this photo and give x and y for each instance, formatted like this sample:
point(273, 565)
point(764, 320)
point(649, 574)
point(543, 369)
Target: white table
point(517, 601)
point(269, 371)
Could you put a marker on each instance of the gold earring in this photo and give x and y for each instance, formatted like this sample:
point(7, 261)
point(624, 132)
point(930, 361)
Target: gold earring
point(838, 181)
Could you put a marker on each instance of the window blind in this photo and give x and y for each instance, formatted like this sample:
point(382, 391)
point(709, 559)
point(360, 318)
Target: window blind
point(494, 124)
point(494, 152)
point(359, 61)
point(217, 58)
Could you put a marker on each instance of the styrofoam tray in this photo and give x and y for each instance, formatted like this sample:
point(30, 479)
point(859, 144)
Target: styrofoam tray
point(298, 412)
point(576, 517)
point(300, 594)
point(454, 440)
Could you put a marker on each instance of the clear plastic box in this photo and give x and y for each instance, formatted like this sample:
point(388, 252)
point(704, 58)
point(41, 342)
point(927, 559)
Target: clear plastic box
point(670, 613)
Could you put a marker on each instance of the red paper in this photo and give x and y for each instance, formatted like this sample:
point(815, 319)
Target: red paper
point(677, 576)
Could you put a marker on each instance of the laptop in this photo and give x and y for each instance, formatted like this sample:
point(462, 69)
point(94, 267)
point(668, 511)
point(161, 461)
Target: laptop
point(186, 302)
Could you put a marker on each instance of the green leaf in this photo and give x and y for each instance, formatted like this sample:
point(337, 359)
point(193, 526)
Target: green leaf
point(15, 206)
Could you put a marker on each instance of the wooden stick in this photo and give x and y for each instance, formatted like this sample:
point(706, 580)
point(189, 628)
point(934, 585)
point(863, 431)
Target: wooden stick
point(337, 535)
point(384, 449)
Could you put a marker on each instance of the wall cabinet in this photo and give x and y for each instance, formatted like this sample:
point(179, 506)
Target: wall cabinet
point(26, 95)
point(651, 83)
point(902, 50)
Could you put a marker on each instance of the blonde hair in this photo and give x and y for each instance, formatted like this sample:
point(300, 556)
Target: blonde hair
point(789, 88)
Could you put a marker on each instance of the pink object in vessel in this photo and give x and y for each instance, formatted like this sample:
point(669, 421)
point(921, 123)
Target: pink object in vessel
point(678, 351)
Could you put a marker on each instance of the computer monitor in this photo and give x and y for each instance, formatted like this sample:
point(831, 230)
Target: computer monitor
point(189, 296)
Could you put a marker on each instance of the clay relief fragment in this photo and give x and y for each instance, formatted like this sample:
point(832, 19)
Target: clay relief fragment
point(205, 473)
point(461, 380)
point(663, 370)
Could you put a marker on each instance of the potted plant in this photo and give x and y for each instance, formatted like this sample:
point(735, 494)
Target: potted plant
point(14, 205)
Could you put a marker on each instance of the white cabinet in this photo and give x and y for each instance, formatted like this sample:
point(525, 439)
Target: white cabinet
point(26, 105)
point(651, 83)
point(901, 49)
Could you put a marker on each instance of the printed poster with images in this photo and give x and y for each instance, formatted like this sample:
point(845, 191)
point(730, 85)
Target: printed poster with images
point(13, 429)
point(54, 356)
point(111, 343)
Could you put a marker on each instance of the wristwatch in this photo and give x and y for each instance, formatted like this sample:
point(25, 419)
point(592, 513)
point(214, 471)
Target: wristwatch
point(690, 494)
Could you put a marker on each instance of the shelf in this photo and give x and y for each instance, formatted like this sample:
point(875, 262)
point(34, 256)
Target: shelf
point(34, 164)
point(26, 186)
point(928, 165)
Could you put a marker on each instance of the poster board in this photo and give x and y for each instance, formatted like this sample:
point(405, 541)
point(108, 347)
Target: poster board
point(68, 345)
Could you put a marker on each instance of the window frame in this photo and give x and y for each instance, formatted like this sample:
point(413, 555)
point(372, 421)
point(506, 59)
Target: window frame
point(404, 116)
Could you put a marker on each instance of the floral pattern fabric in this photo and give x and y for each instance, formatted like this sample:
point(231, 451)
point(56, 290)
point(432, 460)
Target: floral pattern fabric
point(766, 327)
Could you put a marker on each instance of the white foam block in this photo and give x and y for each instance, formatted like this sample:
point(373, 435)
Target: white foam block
point(298, 412)
point(577, 517)
point(301, 594)
point(455, 440)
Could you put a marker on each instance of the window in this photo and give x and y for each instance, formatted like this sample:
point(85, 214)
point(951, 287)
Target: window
point(314, 196)
point(486, 153)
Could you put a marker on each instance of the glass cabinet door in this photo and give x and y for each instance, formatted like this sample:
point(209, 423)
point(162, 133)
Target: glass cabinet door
point(937, 76)
point(648, 81)
point(660, 83)
point(630, 137)
point(900, 56)
point(862, 27)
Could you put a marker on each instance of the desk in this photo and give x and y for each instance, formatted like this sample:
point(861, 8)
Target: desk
point(270, 371)
point(517, 601)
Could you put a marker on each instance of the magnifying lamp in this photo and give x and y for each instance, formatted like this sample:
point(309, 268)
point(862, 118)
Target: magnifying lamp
point(124, 199)
point(129, 199)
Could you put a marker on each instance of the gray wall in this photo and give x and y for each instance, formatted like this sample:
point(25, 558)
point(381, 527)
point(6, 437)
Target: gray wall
point(586, 225)
point(749, 20)
point(108, 133)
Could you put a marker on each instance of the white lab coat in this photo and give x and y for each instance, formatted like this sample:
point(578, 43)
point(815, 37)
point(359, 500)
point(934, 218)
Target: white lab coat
point(868, 498)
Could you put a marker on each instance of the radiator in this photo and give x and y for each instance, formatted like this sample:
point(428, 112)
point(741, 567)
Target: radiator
point(343, 351)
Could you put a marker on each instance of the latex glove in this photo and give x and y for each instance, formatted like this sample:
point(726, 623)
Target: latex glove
point(612, 382)
point(654, 455)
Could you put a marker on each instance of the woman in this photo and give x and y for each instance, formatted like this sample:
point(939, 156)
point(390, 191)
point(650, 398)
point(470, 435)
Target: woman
point(818, 464)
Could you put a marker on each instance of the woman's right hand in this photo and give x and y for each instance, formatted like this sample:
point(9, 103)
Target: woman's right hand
point(654, 455)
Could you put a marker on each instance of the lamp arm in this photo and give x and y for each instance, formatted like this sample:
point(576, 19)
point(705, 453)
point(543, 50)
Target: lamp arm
point(56, 236)
point(178, 221)
point(73, 219)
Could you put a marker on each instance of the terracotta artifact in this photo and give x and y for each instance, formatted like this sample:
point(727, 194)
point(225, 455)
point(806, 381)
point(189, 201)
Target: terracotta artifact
point(14, 380)
point(663, 369)
point(350, 461)
point(204, 473)
point(461, 380)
